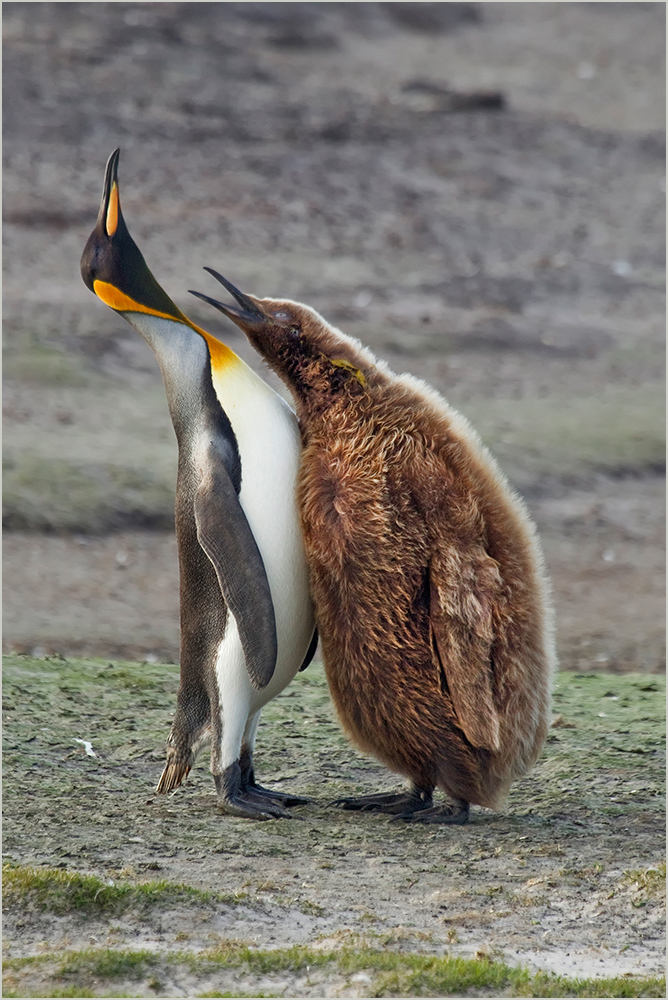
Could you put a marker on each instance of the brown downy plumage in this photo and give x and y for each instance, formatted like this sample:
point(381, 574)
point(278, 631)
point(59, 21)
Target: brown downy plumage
point(430, 592)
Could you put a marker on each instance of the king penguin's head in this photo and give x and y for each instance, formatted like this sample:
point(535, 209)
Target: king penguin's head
point(112, 265)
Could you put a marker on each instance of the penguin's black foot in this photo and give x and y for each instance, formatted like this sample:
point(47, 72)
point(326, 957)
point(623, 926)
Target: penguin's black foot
point(453, 813)
point(234, 801)
point(393, 803)
point(283, 798)
point(243, 805)
point(248, 783)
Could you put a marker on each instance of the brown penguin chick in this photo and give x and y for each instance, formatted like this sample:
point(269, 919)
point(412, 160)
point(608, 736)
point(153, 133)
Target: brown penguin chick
point(430, 593)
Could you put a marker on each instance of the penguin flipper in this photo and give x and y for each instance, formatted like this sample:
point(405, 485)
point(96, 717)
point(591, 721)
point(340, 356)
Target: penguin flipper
point(463, 588)
point(310, 652)
point(226, 537)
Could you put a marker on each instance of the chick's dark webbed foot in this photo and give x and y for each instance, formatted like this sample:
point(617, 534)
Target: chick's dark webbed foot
point(250, 785)
point(234, 800)
point(454, 813)
point(393, 803)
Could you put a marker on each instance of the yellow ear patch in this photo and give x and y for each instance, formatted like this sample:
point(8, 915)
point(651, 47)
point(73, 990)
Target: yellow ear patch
point(111, 223)
point(355, 372)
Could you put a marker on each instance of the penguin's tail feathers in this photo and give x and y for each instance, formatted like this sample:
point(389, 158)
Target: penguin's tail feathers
point(181, 756)
point(174, 774)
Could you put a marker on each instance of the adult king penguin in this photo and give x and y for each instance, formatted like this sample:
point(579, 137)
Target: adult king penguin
point(428, 581)
point(246, 615)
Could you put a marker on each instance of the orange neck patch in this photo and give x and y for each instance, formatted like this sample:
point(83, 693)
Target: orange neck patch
point(221, 355)
point(115, 299)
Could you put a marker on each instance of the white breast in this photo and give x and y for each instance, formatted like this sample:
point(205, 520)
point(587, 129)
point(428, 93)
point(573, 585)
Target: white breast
point(269, 447)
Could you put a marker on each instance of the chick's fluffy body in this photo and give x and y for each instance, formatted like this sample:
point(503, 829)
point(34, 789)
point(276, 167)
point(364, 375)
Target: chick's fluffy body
point(426, 573)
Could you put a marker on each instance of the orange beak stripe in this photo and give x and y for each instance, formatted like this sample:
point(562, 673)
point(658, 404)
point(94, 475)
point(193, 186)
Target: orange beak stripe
point(111, 223)
point(221, 355)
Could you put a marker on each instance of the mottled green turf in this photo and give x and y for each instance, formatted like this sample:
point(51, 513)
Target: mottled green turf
point(604, 758)
point(53, 891)
point(389, 974)
point(598, 784)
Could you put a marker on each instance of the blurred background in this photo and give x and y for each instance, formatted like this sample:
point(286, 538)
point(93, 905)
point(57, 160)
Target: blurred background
point(476, 191)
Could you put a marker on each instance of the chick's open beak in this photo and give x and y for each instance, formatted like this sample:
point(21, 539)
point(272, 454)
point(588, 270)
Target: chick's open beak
point(247, 315)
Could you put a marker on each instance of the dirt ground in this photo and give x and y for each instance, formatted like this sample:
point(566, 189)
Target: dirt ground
point(507, 248)
point(559, 880)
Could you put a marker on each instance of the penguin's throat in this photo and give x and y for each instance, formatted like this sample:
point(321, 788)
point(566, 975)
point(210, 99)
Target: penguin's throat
point(118, 300)
point(222, 356)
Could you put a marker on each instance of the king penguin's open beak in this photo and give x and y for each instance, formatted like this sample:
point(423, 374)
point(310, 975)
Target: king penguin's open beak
point(110, 206)
point(248, 317)
point(98, 258)
point(112, 264)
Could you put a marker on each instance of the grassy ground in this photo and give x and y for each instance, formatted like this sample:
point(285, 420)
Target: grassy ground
point(110, 890)
point(385, 974)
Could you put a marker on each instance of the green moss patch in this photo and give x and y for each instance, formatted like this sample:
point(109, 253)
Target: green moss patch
point(59, 892)
point(389, 974)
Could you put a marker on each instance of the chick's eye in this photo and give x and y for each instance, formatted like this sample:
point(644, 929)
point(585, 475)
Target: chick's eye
point(281, 315)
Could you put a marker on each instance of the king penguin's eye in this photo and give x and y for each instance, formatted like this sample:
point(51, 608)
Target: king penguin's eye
point(281, 315)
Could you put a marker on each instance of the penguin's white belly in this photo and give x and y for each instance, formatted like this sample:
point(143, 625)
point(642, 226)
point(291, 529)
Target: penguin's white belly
point(269, 448)
point(268, 484)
